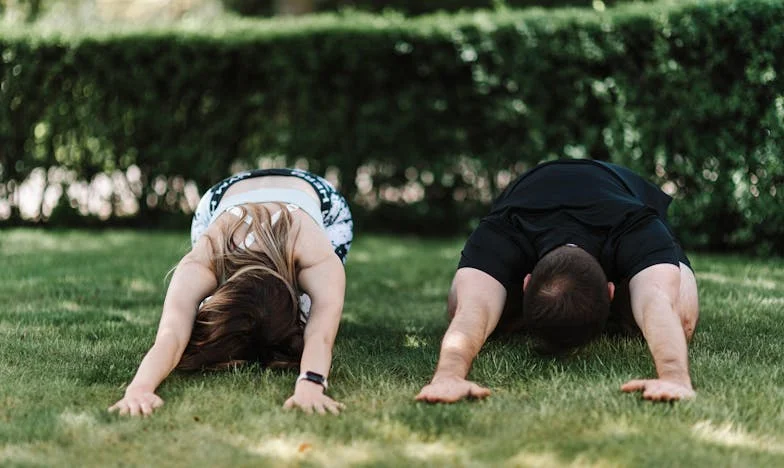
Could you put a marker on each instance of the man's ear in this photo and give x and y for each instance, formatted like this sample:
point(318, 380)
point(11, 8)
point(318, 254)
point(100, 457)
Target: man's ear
point(526, 280)
point(611, 289)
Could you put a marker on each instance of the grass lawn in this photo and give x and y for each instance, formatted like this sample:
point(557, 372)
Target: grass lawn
point(78, 309)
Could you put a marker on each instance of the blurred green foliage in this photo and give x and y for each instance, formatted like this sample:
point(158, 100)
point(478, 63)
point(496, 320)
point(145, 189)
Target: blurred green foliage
point(690, 95)
point(415, 7)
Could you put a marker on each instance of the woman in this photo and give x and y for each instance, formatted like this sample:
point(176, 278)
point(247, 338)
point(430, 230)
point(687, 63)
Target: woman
point(259, 238)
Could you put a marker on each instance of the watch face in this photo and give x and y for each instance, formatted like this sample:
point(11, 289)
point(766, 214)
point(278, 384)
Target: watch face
point(315, 378)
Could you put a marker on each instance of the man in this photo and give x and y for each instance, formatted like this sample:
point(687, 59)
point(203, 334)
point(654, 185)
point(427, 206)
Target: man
point(546, 260)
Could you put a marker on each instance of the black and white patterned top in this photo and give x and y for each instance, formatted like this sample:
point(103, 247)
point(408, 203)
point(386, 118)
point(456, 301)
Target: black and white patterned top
point(338, 223)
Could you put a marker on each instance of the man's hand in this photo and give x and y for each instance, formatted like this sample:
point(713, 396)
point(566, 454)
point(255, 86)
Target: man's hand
point(137, 403)
point(309, 397)
point(450, 390)
point(660, 390)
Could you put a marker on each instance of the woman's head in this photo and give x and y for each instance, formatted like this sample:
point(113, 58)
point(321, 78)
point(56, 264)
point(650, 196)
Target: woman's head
point(566, 300)
point(253, 314)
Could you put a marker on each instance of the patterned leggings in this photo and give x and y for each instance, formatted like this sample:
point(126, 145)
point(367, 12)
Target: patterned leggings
point(338, 223)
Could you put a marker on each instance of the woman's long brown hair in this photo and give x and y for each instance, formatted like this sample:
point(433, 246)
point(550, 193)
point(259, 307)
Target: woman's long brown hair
point(253, 315)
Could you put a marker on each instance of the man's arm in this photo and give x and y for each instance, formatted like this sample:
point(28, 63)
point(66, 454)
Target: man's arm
point(478, 301)
point(655, 296)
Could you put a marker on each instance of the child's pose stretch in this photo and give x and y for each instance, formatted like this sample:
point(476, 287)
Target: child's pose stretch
point(264, 282)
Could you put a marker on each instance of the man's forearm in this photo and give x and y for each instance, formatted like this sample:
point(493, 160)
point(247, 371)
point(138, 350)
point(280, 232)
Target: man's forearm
point(460, 345)
point(667, 342)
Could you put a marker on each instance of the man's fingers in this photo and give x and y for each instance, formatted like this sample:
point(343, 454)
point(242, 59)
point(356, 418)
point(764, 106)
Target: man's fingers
point(445, 398)
point(145, 408)
point(157, 403)
point(659, 396)
point(289, 404)
point(478, 392)
point(659, 390)
point(428, 398)
point(452, 394)
point(320, 409)
point(665, 395)
point(634, 386)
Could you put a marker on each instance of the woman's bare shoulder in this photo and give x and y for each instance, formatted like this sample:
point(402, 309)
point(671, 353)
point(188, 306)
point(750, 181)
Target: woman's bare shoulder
point(311, 244)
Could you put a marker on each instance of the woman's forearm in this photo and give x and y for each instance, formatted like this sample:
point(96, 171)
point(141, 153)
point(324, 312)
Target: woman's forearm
point(157, 364)
point(317, 354)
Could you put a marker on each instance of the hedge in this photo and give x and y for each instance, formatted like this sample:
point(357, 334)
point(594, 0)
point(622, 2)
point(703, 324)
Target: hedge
point(690, 95)
point(415, 7)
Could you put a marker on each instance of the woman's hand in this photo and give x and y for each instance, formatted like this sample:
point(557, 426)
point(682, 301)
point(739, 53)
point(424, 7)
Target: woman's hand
point(137, 403)
point(309, 397)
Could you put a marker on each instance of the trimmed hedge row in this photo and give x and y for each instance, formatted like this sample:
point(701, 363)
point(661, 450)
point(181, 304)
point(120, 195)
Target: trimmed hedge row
point(415, 7)
point(436, 113)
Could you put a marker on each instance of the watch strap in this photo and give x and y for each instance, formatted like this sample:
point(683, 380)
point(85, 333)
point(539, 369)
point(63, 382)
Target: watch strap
point(314, 377)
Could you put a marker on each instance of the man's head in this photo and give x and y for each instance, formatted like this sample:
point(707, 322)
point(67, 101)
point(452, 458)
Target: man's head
point(566, 299)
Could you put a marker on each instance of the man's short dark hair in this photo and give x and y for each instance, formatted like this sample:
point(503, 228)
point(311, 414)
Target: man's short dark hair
point(566, 302)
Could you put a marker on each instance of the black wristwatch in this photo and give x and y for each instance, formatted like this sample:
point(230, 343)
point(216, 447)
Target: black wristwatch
point(314, 377)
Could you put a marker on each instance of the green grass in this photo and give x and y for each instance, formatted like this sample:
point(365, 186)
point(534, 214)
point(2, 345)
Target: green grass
point(78, 310)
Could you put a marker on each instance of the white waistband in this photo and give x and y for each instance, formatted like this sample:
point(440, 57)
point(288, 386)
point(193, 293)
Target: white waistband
point(281, 195)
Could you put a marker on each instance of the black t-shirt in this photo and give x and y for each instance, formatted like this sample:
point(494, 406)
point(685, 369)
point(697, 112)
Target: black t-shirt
point(607, 210)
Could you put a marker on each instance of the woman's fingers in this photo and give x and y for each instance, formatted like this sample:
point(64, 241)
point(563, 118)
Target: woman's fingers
point(321, 405)
point(143, 405)
point(120, 408)
point(335, 407)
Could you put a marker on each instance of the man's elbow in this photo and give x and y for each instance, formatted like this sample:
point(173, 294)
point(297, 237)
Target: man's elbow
point(689, 323)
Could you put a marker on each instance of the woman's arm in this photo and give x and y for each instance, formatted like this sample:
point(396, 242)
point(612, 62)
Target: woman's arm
point(191, 282)
point(323, 278)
